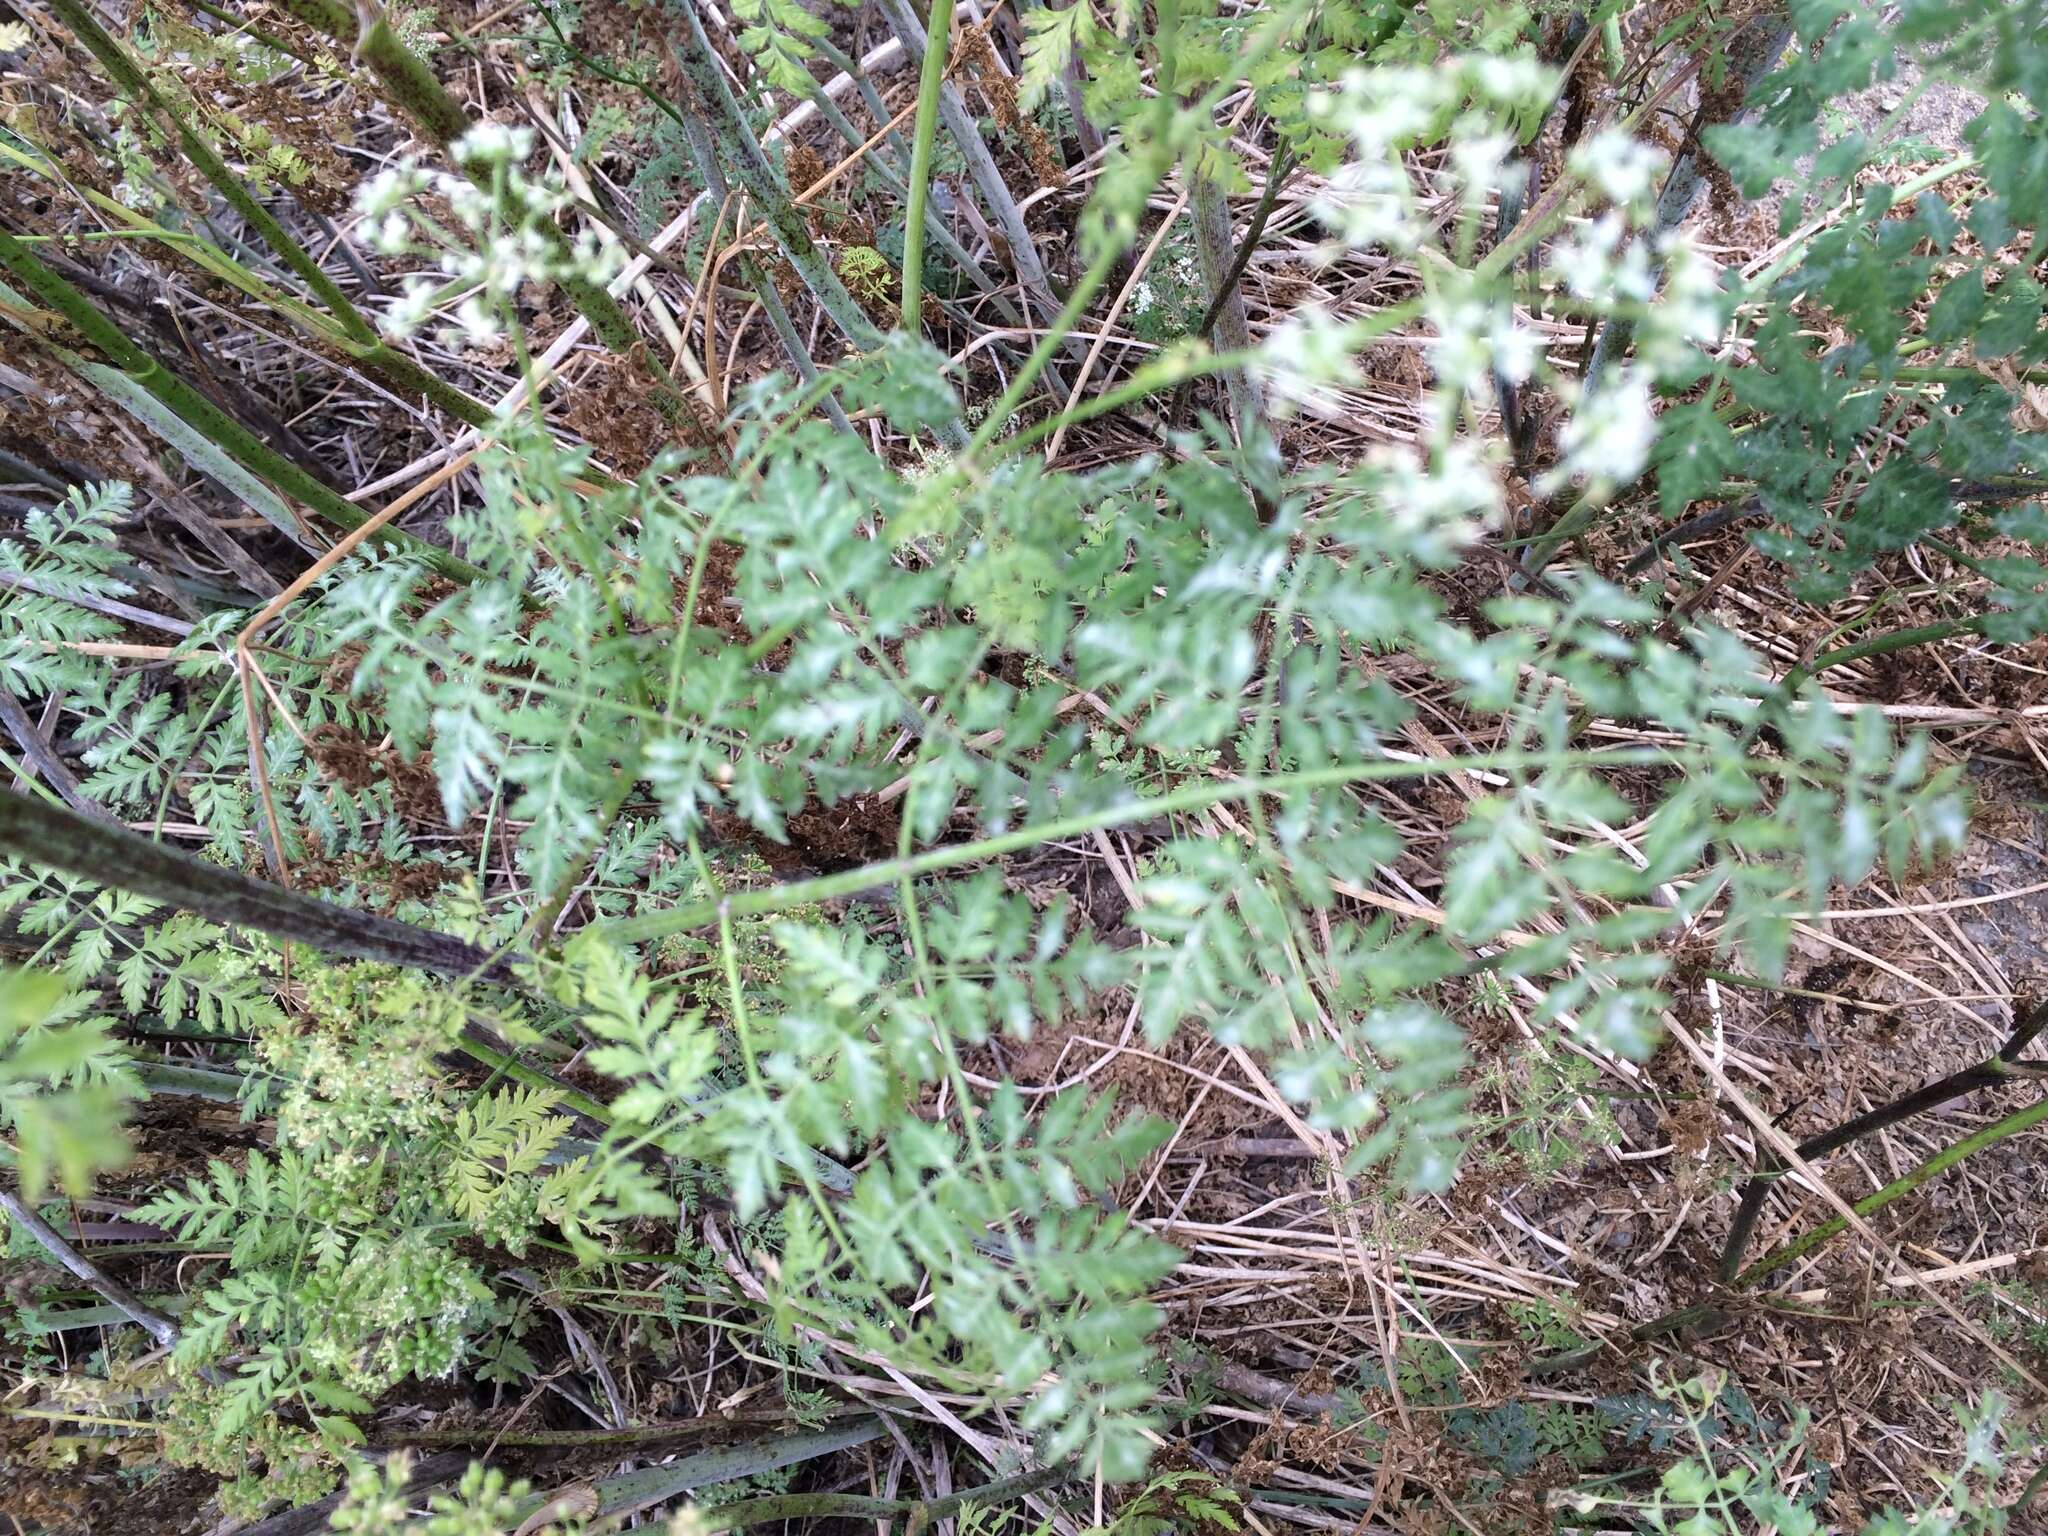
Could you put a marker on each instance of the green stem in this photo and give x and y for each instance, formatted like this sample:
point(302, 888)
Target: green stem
point(1190, 797)
point(1069, 316)
point(1995, 1069)
point(1940, 1163)
point(133, 84)
point(982, 170)
point(1707, 1313)
point(934, 226)
point(202, 415)
point(1902, 196)
point(924, 132)
point(1884, 645)
point(1276, 178)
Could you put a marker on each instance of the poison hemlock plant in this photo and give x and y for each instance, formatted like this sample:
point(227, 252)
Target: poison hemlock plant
point(884, 601)
point(653, 684)
point(63, 1085)
point(1954, 243)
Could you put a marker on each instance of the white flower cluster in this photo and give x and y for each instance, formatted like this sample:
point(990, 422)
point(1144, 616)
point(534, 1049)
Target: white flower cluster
point(1606, 443)
point(1182, 276)
point(1477, 338)
point(1305, 356)
point(1481, 109)
point(508, 219)
point(1620, 168)
point(1438, 508)
point(1689, 313)
point(1373, 200)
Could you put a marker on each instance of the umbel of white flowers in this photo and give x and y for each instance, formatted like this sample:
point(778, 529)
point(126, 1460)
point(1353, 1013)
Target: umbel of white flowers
point(1604, 265)
point(506, 234)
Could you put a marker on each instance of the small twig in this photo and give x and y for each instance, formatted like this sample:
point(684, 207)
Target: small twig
point(1276, 179)
point(43, 757)
point(711, 1424)
point(1996, 1069)
point(138, 1311)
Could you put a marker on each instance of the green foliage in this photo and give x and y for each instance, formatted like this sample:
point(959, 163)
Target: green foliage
point(1806, 411)
point(174, 967)
point(985, 659)
point(1511, 1439)
point(482, 1504)
point(342, 1274)
point(1736, 1470)
point(1553, 1115)
point(66, 553)
point(778, 36)
point(1170, 299)
point(63, 1082)
point(1175, 1501)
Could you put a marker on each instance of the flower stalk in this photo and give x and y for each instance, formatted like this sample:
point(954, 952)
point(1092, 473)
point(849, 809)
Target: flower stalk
point(931, 81)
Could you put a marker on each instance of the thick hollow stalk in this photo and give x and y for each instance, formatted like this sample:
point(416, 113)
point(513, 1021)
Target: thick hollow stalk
point(1231, 328)
point(201, 414)
point(877, 109)
point(1276, 179)
point(743, 159)
point(1988, 1073)
point(133, 84)
point(1940, 1163)
point(981, 165)
point(112, 1291)
point(57, 838)
point(931, 81)
point(359, 339)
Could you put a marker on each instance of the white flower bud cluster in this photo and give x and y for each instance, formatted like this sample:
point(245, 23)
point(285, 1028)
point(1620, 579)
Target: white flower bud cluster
point(1622, 169)
point(1425, 212)
point(508, 234)
point(1606, 442)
